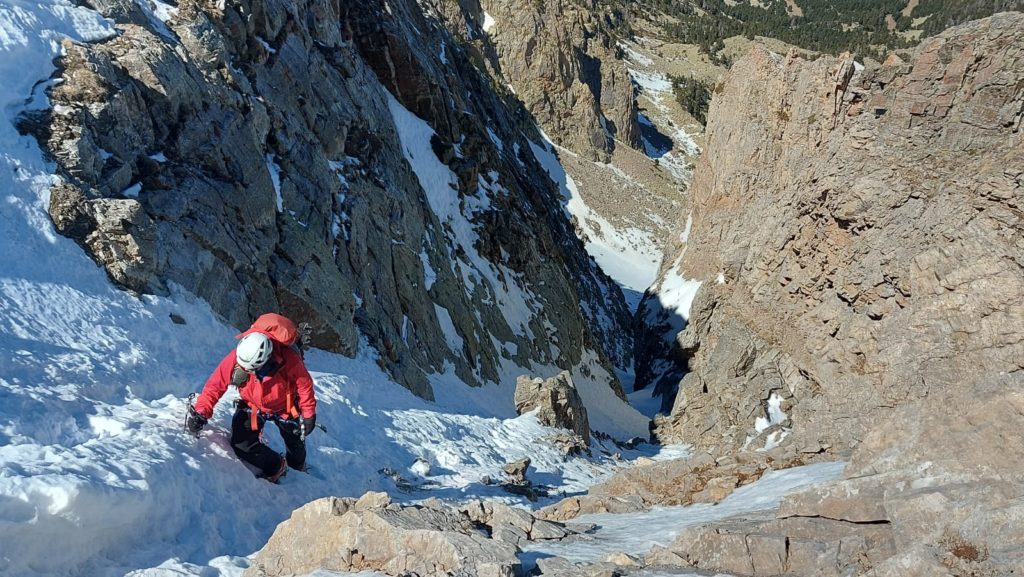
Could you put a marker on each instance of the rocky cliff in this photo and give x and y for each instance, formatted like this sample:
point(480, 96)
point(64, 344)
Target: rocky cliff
point(343, 163)
point(559, 57)
point(858, 236)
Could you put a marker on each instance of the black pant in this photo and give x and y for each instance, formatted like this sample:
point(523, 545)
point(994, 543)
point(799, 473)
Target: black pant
point(248, 447)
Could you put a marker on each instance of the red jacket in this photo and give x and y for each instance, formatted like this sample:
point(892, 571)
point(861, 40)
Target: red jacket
point(269, 395)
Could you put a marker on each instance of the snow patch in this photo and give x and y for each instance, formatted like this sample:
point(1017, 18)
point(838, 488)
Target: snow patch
point(132, 191)
point(775, 414)
point(517, 303)
point(633, 56)
point(429, 274)
point(266, 45)
point(163, 10)
point(676, 293)
point(685, 235)
point(275, 178)
point(444, 318)
point(489, 22)
point(496, 140)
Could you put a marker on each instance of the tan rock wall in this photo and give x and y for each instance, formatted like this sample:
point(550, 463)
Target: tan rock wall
point(867, 224)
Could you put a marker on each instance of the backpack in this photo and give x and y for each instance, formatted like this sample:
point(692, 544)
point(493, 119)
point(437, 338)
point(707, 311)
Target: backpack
point(281, 329)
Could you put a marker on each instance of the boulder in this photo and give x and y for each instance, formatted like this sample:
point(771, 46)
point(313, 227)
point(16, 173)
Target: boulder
point(372, 535)
point(516, 471)
point(513, 524)
point(557, 402)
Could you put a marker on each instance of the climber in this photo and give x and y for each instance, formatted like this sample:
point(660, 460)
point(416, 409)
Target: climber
point(273, 385)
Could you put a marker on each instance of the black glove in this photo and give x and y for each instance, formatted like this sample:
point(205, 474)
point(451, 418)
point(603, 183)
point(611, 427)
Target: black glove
point(306, 426)
point(194, 422)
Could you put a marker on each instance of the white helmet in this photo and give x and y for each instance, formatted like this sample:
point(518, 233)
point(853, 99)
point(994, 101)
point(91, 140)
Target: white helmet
point(253, 351)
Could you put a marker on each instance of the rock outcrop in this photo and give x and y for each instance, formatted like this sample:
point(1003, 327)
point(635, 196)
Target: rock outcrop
point(936, 491)
point(859, 234)
point(344, 164)
point(430, 539)
point(561, 60)
point(556, 401)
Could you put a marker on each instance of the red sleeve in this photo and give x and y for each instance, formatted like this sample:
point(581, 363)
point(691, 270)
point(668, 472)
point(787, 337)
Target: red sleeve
point(216, 385)
point(303, 384)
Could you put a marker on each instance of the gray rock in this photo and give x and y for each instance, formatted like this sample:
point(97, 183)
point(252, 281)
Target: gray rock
point(560, 60)
point(935, 490)
point(556, 401)
point(516, 471)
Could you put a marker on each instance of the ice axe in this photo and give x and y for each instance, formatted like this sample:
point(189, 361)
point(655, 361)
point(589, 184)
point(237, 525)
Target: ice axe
point(189, 408)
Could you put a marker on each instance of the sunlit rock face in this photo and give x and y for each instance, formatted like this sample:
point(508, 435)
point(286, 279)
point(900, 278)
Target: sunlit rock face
point(559, 58)
point(857, 234)
point(346, 164)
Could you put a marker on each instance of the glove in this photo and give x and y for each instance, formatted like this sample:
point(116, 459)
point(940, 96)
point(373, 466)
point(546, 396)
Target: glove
point(194, 422)
point(306, 426)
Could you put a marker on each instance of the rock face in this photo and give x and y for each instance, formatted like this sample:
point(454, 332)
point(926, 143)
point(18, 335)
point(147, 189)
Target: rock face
point(935, 491)
point(556, 401)
point(430, 539)
point(344, 164)
point(560, 59)
point(859, 236)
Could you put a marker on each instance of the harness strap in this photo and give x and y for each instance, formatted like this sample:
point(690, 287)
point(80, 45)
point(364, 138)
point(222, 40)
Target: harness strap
point(292, 411)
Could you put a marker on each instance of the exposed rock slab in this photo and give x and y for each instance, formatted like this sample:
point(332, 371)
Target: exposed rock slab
point(698, 479)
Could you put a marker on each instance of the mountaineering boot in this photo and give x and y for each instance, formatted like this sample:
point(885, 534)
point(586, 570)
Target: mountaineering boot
point(281, 472)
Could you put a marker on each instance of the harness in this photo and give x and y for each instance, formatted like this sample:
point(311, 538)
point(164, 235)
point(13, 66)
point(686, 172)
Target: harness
point(267, 370)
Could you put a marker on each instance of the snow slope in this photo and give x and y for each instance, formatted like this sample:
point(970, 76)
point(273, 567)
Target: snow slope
point(518, 304)
point(630, 256)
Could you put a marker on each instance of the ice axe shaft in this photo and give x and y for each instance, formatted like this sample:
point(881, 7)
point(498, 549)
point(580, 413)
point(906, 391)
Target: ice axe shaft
point(189, 406)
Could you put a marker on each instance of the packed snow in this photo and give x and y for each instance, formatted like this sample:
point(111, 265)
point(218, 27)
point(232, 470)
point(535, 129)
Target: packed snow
point(619, 532)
